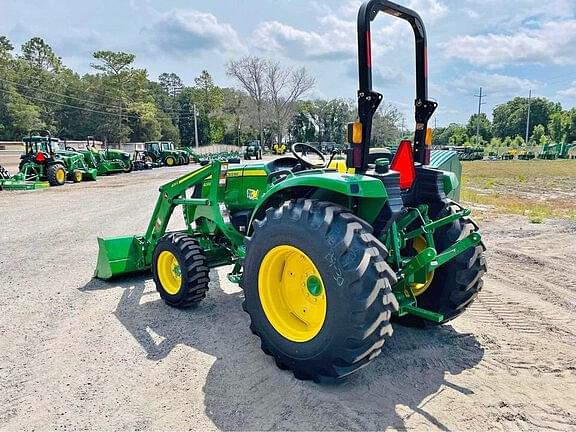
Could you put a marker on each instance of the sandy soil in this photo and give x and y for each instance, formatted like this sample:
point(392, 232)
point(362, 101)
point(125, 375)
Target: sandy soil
point(77, 353)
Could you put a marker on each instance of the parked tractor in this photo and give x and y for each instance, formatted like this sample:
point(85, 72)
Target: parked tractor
point(105, 161)
point(163, 152)
point(142, 161)
point(44, 164)
point(526, 155)
point(253, 150)
point(326, 259)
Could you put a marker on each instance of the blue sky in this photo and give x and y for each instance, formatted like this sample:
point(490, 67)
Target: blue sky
point(507, 47)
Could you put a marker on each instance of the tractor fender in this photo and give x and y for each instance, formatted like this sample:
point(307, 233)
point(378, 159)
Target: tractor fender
point(364, 195)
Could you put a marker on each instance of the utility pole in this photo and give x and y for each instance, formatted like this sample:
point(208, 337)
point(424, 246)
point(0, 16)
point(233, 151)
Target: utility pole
point(195, 127)
point(528, 116)
point(480, 96)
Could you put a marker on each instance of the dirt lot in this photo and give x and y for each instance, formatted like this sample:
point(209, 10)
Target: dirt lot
point(76, 353)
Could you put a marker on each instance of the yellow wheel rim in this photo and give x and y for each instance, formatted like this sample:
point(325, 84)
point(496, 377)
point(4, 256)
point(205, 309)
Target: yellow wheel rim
point(169, 161)
point(78, 176)
point(60, 175)
point(419, 245)
point(169, 272)
point(292, 293)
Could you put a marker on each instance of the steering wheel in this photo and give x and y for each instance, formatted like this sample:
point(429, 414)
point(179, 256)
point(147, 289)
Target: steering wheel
point(70, 149)
point(306, 161)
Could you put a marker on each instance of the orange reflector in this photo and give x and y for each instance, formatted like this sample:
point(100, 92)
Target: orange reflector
point(403, 163)
point(428, 140)
point(355, 133)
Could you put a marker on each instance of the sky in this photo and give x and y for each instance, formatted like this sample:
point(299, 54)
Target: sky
point(507, 47)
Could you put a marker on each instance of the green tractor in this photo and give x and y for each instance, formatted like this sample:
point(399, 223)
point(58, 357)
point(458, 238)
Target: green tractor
point(107, 161)
point(253, 150)
point(163, 152)
point(326, 259)
point(44, 164)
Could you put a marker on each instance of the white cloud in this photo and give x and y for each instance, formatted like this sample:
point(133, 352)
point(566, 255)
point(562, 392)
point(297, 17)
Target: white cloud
point(430, 10)
point(494, 84)
point(553, 42)
point(337, 39)
point(568, 92)
point(335, 44)
point(191, 31)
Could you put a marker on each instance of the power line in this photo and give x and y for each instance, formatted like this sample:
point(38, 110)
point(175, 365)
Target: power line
point(94, 93)
point(58, 94)
point(63, 104)
point(167, 117)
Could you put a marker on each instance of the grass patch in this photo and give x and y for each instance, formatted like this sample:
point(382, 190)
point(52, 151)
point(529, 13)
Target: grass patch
point(535, 189)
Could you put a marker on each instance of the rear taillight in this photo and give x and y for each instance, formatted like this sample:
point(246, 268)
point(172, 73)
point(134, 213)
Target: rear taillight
point(403, 163)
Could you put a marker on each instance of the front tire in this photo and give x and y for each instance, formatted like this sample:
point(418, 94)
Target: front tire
point(77, 176)
point(169, 161)
point(354, 282)
point(180, 270)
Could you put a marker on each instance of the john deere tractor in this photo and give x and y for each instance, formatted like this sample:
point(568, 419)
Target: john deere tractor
point(163, 152)
point(326, 259)
point(105, 161)
point(253, 150)
point(45, 163)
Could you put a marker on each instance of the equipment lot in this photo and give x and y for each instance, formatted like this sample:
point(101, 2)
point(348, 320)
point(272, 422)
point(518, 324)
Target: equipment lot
point(79, 353)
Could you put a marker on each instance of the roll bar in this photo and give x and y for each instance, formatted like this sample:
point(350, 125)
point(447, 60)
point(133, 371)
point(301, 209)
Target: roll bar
point(40, 132)
point(369, 100)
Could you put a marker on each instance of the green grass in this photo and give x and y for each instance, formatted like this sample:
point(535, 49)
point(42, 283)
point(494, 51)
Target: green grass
point(535, 189)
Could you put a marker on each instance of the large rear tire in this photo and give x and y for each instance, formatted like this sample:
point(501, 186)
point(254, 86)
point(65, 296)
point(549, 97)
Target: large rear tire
point(317, 289)
point(180, 271)
point(456, 284)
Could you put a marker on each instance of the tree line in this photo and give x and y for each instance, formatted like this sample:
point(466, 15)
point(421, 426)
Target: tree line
point(549, 123)
point(120, 103)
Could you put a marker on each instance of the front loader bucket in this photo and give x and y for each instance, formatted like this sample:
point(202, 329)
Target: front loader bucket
point(22, 185)
point(90, 174)
point(119, 256)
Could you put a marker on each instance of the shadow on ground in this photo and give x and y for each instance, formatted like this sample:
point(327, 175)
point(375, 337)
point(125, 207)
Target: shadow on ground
point(245, 390)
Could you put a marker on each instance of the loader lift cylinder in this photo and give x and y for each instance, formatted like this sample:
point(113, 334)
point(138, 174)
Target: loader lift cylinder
point(368, 100)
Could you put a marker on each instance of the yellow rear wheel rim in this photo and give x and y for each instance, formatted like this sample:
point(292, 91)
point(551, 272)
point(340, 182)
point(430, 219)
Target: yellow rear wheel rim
point(60, 175)
point(292, 293)
point(419, 245)
point(169, 272)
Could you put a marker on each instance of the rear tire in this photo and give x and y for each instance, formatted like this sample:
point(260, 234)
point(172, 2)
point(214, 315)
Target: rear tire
point(355, 278)
point(56, 175)
point(192, 284)
point(457, 283)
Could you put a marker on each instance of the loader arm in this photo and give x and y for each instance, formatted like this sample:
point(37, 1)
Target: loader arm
point(123, 255)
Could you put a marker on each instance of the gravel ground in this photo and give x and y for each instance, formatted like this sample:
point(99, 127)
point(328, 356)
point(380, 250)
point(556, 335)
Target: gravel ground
point(77, 353)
